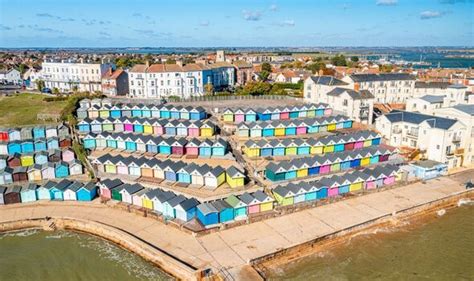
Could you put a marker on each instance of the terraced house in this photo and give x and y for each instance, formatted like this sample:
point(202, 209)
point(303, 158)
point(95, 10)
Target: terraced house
point(164, 80)
point(386, 87)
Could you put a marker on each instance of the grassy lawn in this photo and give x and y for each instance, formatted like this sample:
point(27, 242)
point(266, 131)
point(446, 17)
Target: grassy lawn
point(21, 109)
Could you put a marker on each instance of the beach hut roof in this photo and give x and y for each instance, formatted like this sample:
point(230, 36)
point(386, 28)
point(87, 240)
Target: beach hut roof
point(221, 205)
point(248, 199)
point(235, 202)
point(173, 202)
point(188, 204)
point(206, 208)
point(262, 197)
point(62, 185)
point(283, 191)
point(233, 172)
point(74, 186)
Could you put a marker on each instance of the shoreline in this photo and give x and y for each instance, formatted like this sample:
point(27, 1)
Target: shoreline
point(169, 264)
point(267, 264)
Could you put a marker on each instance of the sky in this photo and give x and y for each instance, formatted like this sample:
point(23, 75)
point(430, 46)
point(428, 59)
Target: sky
point(229, 23)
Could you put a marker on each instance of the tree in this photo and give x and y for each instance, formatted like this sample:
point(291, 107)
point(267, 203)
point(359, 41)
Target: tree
point(263, 75)
point(339, 60)
point(22, 68)
point(40, 85)
point(255, 88)
point(209, 88)
point(267, 67)
point(315, 67)
point(170, 61)
point(354, 58)
point(56, 91)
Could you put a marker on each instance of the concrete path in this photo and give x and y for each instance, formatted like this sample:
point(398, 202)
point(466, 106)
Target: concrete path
point(234, 248)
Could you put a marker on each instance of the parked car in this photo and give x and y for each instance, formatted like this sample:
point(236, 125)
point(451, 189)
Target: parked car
point(46, 91)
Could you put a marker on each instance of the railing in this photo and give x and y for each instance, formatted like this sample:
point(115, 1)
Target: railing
point(397, 131)
point(456, 139)
point(412, 134)
point(231, 97)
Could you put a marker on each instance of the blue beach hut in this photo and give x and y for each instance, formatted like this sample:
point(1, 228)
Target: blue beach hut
point(207, 214)
point(14, 147)
point(42, 192)
point(226, 212)
point(61, 169)
point(40, 145)
point(28, 193)
point(27, 146)
point(87, 192)
point(39, 132)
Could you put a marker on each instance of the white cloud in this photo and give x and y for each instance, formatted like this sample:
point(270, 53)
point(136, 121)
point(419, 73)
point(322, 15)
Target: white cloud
point(273, 8)
point(251, 16)
point(430, 15)
point(204, 23)
point(386, 2)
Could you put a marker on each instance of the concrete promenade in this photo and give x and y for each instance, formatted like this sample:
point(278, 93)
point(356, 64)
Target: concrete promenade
point(233, 249)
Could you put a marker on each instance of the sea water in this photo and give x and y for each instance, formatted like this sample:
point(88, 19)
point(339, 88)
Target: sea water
point(63, 255)
point(439, 248)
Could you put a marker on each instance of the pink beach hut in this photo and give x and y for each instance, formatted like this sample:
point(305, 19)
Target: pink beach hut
point(285, 113)
point(302, 128)
point(193, 130)
point(253, 205)
point(327, 111)
point(359, 143)
point(192, 147)
point(239, 116)
point(325, 167)
point(127, 125)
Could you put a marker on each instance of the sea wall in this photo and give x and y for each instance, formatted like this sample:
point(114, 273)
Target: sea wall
point(169, 264)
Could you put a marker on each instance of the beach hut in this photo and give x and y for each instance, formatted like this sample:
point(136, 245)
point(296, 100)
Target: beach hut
point(96, 125)
point(177, 146)
point(106, 186)
point(207, 214)
point(3, 135)
point(253, 205)
point(197, 175)
point(19, 174)
point(14, 147)
point(115, 192)
point(28, 193)
point(264, 114)
point(40, 145)
point(183, 175)
point(164, 147)
point(235, 177)
point(147, 201)
point(207, 130)
point(3, 148)
point(3, 189)
point(228, 115)
point(3, 161)
point(170, 171)
point(160, 198)
point(181, 129)
point(14, 160)
point(51, 131)
point(332, 186)
point(192, 147)
point(127, 191)
point(87, 192)
point(265, 201)
point(6, 175)
point(310, 190)
point(239, 115)
point(12, 195)
point(34, 173)
point(283, 195)
point(193, 130)
point(84, 126)
point(186, 210)
point(219, 148)
point(27, 146)
point(170, 205)
point(137, 198)
point(198, 113)
point(26, 133)
point(47, 171)
point(69, 192)
point(214, 177)
point(14, 134)
point(52, 143)
point(61, 169)
point(205, 148)
point(298, 191)
point(39, 132)
point(240, 208)
point(250, 115)
point(27, 159)
point(57, 191)
point(225, 211)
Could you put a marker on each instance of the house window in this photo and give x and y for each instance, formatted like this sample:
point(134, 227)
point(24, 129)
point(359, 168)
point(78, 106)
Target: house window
point(345, 102)
point(437, 146)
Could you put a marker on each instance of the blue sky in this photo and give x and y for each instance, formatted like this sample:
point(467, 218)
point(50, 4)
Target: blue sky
point(192, 23)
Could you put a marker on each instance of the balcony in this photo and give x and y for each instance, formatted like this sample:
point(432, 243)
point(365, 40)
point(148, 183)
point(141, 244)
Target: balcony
point(459, 151)
point(456, 139)
point(397, 131)
point(412, 134)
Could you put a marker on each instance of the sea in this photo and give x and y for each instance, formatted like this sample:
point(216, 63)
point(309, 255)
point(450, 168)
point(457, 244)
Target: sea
point(439, 248)
point(64, 255)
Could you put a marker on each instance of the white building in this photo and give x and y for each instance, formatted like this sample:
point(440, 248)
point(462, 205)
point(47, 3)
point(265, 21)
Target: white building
point(386, 87)
point(164, 80)
point(69, 75)
point(358, 105)
point(453, 95)
point(10, 76)
point(465, 114)
point(439, 139)
point(423, 88)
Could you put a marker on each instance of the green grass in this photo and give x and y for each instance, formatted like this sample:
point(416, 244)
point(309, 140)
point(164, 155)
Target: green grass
point(21, 109)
